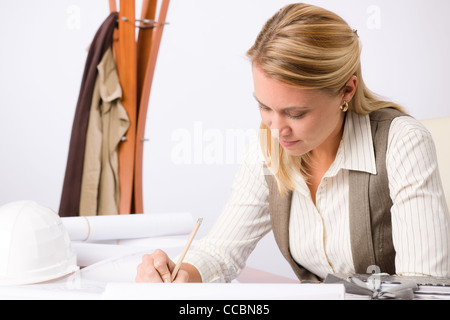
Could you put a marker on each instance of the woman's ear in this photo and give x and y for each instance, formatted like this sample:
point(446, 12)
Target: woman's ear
point(350, 89)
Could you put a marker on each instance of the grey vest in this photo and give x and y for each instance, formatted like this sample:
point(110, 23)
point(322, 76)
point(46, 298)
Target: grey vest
point(369, 209)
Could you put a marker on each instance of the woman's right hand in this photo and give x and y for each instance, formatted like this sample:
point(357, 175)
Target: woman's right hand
point(157, 267)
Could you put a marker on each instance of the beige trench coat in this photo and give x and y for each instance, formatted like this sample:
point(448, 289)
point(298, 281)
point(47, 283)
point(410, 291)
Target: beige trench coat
point(108, 123)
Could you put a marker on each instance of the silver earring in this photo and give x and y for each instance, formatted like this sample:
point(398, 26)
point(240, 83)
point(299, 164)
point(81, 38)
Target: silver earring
point(344, 107)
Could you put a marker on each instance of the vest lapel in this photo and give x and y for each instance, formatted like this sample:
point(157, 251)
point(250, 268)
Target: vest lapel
point(280, 208)
point(360, 225)
point(280, 211)
point(370, 221)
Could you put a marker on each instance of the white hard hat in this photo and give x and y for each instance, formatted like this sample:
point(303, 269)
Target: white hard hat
point(34, 245)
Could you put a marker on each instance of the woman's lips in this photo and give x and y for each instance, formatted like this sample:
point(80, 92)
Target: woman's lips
point(287, 144)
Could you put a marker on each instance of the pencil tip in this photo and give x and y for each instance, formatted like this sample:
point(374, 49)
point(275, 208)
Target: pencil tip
point(200, 220)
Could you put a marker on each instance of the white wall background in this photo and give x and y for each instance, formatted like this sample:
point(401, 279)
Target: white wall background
point(202, 91)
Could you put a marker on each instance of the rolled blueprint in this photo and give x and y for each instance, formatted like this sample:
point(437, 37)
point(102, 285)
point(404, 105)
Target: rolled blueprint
point(132, 226)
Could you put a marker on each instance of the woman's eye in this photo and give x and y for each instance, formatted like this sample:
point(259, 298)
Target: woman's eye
point(296, 116)
point(263, 108)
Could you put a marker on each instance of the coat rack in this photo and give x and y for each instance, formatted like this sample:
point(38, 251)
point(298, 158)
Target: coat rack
point(136, 61)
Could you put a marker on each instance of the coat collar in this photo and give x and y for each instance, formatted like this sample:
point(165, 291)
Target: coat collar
point(109, 83)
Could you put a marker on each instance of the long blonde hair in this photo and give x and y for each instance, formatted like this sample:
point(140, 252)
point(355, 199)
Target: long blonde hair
point(309, 47)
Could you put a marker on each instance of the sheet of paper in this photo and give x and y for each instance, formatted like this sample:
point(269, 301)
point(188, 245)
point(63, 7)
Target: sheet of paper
point(223, 291)
point(133, 226)
point(89, 253)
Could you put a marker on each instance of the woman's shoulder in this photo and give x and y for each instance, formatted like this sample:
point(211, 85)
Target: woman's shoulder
point(405, 124)
point(408, 129)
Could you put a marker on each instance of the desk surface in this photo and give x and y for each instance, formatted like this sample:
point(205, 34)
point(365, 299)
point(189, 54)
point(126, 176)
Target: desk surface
point(113, 277)
point(252, 275)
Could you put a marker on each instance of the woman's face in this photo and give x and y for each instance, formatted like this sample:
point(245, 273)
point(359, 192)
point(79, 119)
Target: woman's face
point(302, 120)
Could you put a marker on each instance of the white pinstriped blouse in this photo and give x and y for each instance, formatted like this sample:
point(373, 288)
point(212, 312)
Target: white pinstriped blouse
point(320, 234)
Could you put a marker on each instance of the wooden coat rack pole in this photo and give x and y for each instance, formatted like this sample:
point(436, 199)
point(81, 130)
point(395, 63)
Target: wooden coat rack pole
point(127, 69)
point(136, 65)
point(112, 6)
point(144, 100)
point(144, 42)
point(144, 45)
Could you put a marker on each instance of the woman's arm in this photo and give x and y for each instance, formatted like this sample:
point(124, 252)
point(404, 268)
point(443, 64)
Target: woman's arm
point(420, 217)
point(244, 220)
point(221, 255)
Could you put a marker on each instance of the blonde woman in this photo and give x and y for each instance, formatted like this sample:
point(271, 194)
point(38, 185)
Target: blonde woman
point(345, 180)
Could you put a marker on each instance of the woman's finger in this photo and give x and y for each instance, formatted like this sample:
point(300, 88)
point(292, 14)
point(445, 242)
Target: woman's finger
point(182, 277)
point(146, 271)
point(155, 268)
point(163, 265)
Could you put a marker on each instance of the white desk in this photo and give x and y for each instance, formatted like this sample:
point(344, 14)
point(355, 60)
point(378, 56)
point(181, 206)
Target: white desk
point(114, 278)
point(111, 270)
